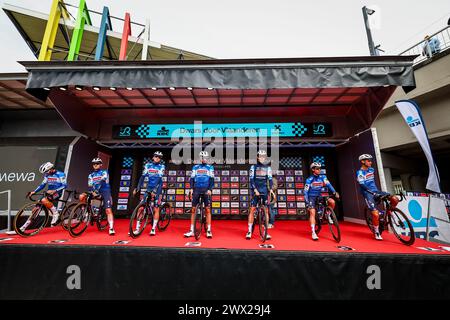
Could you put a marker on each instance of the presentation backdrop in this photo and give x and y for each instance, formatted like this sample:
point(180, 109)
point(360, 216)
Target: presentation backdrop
point(231, 193)
point(19, 171)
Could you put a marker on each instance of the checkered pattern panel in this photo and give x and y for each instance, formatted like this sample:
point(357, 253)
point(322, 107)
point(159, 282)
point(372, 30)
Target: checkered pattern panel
point(127, 162)
point(291, 162)
point(145, 161)
point(143, 131)
point(298, 129)
point(319, 159)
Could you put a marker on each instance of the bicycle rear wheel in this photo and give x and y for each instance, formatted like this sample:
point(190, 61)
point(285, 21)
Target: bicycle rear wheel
point(263, 223)
point(102, 220)
point(65, 214)
point(401, 226)
point(31, 219)
point(164, 217)
point(138, 220)
point(79, 219)
point(198, 221)
point(318, 225)
point(334, 227)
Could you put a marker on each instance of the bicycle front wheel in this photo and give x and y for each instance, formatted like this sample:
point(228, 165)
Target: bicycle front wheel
point(333, 224)
point(65, 214)
point(401, 226)
point(318, 225)
point(263, 223)
point(102, 220)
point(164, 217)
point(138, 220)
point(79, 219)
point(31, 219)
point(198, 221)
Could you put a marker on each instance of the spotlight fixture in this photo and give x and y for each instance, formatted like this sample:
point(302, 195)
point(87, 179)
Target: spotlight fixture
point(370, 11)
point(112, 89)
point(47, 89)
point(64, 88)
point(189, 88)
point(96, 88)
point(79, 88)
point(154, 89)
point(210, 88)
point(172, 88)
point(129, 88)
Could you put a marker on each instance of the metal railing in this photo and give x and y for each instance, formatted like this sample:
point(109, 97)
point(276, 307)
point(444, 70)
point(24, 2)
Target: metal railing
point(8, 229)
point(424, 50)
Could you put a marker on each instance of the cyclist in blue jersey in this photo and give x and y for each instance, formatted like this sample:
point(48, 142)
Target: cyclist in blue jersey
point(154, 172)
point(56, 183)
point(98, 183)
point(366, 179)
point(202, 183)
point(261, 185)
point(313, 194)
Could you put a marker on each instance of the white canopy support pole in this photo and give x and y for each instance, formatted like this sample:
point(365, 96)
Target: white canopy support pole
point(379, 160)
point(146, 37)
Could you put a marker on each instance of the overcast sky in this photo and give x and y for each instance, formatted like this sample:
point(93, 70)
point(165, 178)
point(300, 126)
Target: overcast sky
point(257, 28)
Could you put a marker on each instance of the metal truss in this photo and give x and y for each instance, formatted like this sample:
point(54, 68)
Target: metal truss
point(236, 144)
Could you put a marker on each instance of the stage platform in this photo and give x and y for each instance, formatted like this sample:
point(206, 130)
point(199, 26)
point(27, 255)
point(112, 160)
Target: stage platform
point(169, 266)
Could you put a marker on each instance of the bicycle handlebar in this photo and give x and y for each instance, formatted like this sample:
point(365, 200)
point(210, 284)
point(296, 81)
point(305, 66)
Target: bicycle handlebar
point(31, 197)
point(402, 196)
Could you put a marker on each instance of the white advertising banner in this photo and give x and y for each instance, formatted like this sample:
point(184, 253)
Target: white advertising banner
point(416, 209)
point(413, 117)
point(428, 216)
point(440, 218)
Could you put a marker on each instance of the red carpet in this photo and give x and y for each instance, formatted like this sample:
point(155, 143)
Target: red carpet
point(287, 235)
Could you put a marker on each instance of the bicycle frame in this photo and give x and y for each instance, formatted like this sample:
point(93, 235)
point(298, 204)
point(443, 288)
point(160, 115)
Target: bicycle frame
point(149, 202)
point(89, 199)
point(387, 213)
point(201, 203)
point(259, 205)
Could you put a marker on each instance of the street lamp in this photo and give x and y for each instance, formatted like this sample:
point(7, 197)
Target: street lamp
point(366, 13)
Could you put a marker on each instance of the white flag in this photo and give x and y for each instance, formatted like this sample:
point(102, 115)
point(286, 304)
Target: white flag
point(413, 117)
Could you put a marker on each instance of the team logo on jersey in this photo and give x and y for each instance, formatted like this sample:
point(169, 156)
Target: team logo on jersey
point(152, 171)
point(369, 176)
point(261, 172)
point(317, 184)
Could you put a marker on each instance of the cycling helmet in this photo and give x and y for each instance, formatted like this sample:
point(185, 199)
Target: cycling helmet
point(45, 167)
point(315, 165)
point(97, 160)
point(262, 153)
point(158, 154)
point(365, 157)
point(203, 154)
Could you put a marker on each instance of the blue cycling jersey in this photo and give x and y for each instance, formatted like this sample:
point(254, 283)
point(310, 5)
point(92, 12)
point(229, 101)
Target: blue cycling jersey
point(260, 176)
point(99, 181)
point(154, 172)
point(366, 180)
point(55, 181)
point(314, 185)
point(202, 176)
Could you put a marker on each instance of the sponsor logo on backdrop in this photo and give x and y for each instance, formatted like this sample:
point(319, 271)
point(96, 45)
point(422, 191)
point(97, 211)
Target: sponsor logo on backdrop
point(17, 176)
